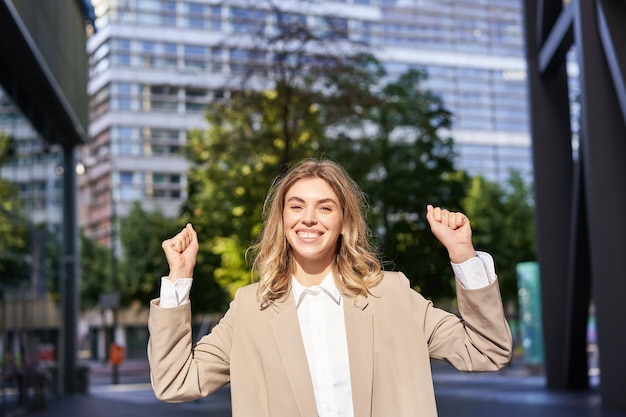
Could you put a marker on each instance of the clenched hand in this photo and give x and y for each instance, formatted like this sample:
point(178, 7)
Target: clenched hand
point(453, 230)
point(181, 252)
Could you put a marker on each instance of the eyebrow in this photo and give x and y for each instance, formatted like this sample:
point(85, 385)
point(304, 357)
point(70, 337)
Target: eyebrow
point(322, 201)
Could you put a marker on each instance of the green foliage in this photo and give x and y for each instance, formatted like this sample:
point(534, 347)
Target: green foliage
point(95, 274)
point(234, 162)
point(503, 224)
point(141, 234)
point(388, 135)
point(14, 251)
point(403, 167)
point(14, 230)
point(252, 138)
point(233, 271)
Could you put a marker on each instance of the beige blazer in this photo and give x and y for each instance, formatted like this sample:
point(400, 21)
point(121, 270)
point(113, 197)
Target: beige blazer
point(392, 334)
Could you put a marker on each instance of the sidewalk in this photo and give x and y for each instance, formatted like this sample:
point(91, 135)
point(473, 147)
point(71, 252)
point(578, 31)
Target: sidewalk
point(508, 393)
point(511, 392)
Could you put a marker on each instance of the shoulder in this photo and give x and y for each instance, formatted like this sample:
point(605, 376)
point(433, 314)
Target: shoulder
point(248, 289)
point(246, 293)
point(392, 282)
point(395, 287)
point(395, 295)
point(395, 278)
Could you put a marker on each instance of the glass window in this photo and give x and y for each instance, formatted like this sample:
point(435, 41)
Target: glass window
point(330, 27)
point(195, 99)
point(99, 102)
point(101, 52)
point(122, 96)
point(159, 97)
point(146, 55)
point(120, 44)
point(290, 19)
point(160, 141)
point(170, 48)
point(168, 13)
point(239, 60)
point(195, 56)
point(216, 18)
point(195, 50)
point(247, 20)
point(147, 46)
point(364, 31)
point(122, 136)
point(194, 15)
point(126, 177)
point(169, 53)
point(120, 52)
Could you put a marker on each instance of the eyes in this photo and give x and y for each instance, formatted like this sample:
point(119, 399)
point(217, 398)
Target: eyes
point(300, 207)
point(297, 204)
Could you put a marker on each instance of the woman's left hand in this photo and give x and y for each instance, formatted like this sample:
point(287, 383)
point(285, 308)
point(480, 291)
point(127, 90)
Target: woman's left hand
point(453, 230)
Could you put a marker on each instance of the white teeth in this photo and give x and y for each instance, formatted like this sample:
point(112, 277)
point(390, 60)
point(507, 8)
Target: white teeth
point(307, 235)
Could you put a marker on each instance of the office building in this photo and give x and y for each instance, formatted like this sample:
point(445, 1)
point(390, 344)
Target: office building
point(154, 64)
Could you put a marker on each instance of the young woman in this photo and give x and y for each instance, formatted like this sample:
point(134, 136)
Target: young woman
point(325, 331)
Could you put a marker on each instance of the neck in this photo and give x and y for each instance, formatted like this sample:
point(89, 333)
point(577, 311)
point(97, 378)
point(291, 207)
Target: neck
point(311, 276)
point(311, 271)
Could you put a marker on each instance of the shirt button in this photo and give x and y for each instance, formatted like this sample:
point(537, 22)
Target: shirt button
point(329, 408)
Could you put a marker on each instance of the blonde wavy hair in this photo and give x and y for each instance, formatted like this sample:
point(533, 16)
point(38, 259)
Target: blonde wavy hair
point(357, 266)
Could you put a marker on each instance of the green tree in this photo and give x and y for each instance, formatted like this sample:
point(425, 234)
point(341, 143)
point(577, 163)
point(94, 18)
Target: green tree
point(403, 166)
point(313, 75)
point(255, 133)
point(143, 261)
point(14, 230)
point(95, 273)
point(503, 224)
point(233, 164)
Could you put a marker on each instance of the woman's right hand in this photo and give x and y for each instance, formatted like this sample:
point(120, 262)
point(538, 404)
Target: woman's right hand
point(181, 252)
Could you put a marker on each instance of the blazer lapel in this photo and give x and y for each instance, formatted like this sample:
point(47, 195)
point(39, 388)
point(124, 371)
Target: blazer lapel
point(286, 329)
point(360, 335)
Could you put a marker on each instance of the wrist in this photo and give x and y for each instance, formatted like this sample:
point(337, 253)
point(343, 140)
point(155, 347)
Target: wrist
point(179, 273)
point(461, 254)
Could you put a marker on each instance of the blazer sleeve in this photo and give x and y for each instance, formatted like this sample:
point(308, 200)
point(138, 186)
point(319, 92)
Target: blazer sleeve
point(479, 340)
point(180, 371)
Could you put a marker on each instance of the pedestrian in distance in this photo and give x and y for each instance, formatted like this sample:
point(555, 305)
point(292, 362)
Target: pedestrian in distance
point(324, 330)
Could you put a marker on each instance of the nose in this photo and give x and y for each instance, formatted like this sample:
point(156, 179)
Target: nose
point(309, 217)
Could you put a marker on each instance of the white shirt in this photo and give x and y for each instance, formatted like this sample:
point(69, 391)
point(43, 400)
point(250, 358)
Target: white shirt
point(322, 324)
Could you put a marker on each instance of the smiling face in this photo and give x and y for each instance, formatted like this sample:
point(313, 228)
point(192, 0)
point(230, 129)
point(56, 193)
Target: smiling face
point(312, 219)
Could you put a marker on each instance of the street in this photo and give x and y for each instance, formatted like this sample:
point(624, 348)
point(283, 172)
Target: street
point(511, 392)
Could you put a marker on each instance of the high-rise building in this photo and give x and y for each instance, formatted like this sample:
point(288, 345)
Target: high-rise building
point(34, 168)
point(154, 64)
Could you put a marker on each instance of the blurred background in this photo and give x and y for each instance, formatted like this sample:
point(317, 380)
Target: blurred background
point(122, 120)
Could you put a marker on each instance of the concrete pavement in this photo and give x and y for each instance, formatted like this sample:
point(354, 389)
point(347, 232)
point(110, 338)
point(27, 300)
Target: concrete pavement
point(511, 392)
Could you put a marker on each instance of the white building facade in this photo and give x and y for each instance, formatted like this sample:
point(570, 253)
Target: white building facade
point(154, 65)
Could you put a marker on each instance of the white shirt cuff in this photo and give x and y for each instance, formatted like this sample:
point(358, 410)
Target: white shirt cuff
point(174, 294)
point(476, 272)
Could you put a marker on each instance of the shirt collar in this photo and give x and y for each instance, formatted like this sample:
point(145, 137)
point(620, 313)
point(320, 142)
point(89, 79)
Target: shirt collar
point(327, 286)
